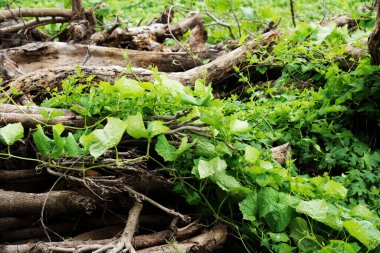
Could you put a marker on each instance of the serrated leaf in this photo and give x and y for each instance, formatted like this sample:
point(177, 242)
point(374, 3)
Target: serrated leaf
point(278, 237)
point(135, 126)
point(205, 149)
point(184, 145)
point(249, 206)
point(11, 133)
point(165, 149)
point(44, 144)
point(59, 142)
point(71, 146)
point(225, 181)
point(298, 228)
point(362, 212)
point(239, 126)
point(251, 154)
point(129, 88)
point(206, 168)
point(223, 149)
point(336, 246)
point(100, 140)
point(364, 231)
point(335, 190)
point(321, 211)
point(156, 128)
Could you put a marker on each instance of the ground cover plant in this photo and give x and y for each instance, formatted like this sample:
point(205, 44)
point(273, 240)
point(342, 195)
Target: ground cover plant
point(310, 91)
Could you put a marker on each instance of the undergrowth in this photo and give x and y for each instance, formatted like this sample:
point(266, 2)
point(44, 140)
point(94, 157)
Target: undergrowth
point(326, 198)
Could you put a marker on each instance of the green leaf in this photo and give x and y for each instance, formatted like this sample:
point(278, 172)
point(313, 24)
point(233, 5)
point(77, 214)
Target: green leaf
point(336, 246)
point(156, 128)
point(239, 126)
point(44, 144)
point(129, 88)
point(59, 142)
point(11, 133)
point(298, 229)
point(251, 154)
point(362, 212)
point(321, 211)
point(335, 190)
point(100, 140)
point(136, 127)
point(249, 206)
point(71, 146)
point(206, 168)
point(165, 149)
point(275, 209)
point(364, 231)
point(225, 181)
point(278, 237)
point(223, 149)
point(205, 149)
point(184, 145)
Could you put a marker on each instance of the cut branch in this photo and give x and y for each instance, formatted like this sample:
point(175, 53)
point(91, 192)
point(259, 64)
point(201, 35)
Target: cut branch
point(23, 13)
point(31, 24)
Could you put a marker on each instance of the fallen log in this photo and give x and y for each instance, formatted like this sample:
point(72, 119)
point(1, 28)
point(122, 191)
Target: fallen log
point(8, 68)
point(138, 242)
point(213, 72)
point(55, 202)
point(37, 56)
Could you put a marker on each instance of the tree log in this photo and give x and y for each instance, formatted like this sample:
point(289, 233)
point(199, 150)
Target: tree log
point(216, 237)
point(37, 56)
point(8, 68)
point(57, 202)
point(213, 72)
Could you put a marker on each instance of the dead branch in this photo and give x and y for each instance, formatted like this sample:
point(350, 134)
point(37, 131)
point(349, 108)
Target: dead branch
point(20, 203)
point(219, 22)
point(41, 12)
point(31, 24)
point(29, 120)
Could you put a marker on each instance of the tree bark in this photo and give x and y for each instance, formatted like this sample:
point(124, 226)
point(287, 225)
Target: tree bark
point(41, 12)
point(36, 56)
point(374, 38)
point(57, 202)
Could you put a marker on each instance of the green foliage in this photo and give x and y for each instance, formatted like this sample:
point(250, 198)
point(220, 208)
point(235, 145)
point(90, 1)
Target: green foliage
point(11, 133)
point(324, 199)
